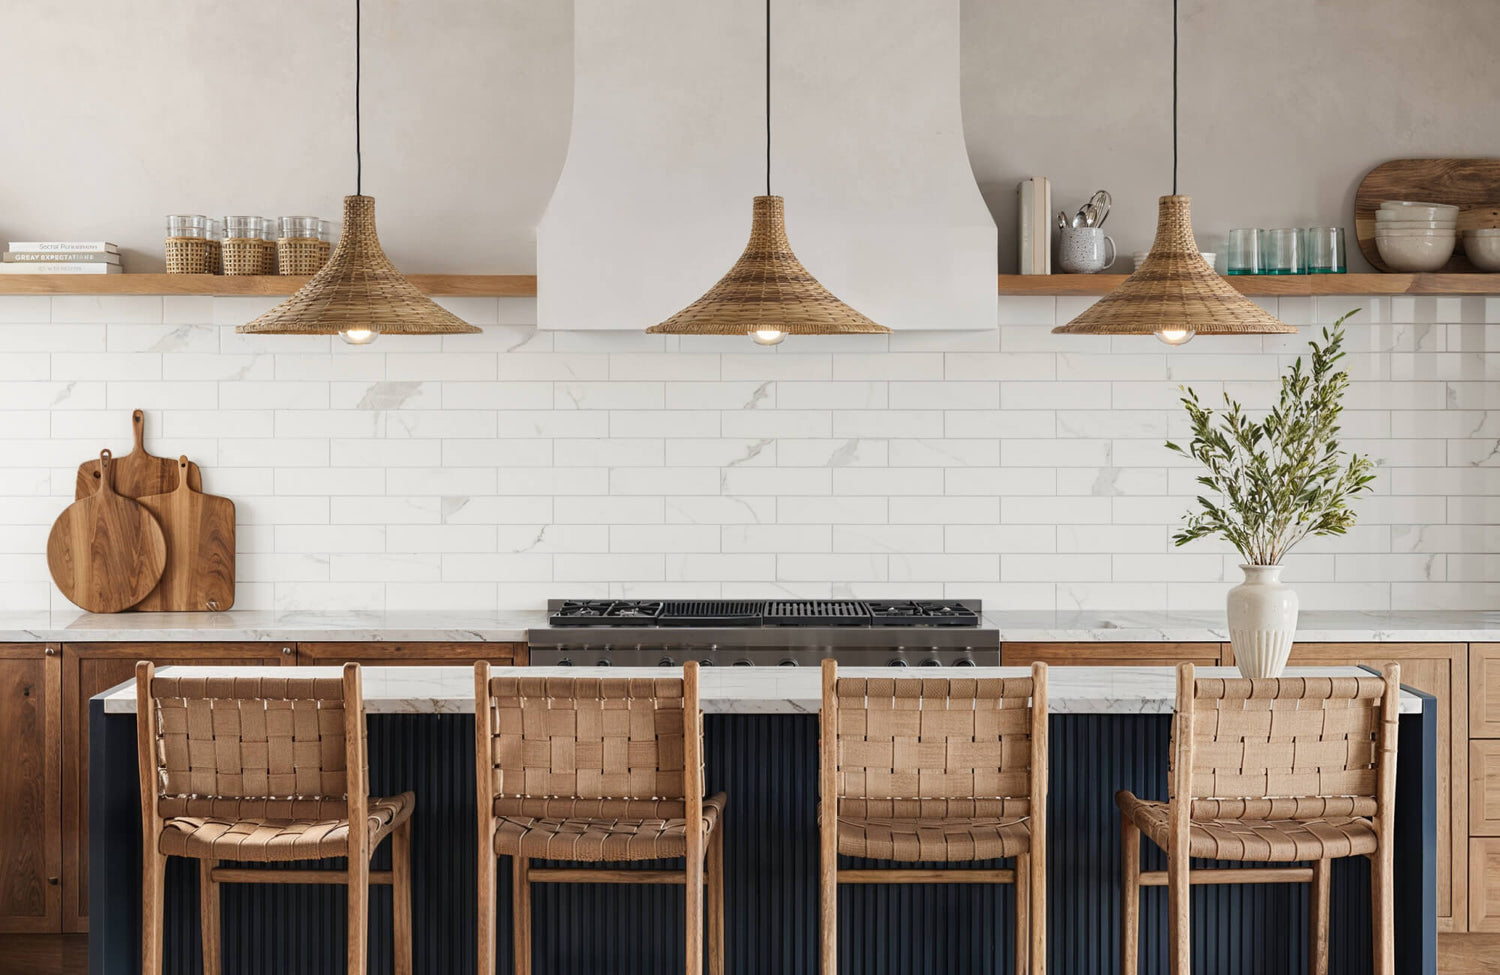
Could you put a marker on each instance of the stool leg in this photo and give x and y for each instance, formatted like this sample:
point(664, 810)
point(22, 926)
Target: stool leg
point(693, 881)
point(1317, 900)
point(153, 875)
point(1038, 879)
point(1023, 913)
point(1383, 904)
point(1179, 932)
point(358, 883)
point(484, 928)
point(401, 898)
point(520, 911)
point(716, 900)
point(1130, 897)
point(828, 907)
point(208, 917)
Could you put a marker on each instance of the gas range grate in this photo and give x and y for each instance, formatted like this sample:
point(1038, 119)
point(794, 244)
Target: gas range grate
point(816, 612)
point(922, 612)
point(710, 612)
point(606, 612)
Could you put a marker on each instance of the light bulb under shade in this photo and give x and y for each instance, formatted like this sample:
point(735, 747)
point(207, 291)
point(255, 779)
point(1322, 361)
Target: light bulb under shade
point(767, 336)
point(1175, 336)
point(359, 336)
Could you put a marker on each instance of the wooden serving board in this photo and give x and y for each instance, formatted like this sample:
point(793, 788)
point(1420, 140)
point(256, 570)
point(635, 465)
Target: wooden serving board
point(106, 552)
point(199, 530)
point(137, 473)
point(1472, 185)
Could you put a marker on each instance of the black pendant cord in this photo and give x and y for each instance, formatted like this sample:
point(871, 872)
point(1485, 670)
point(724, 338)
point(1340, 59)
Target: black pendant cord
point(358, 161)
point(768, 97)
point(1174, 97)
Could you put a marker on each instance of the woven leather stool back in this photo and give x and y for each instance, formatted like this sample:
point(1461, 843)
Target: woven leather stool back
point(271, 747)
point(933, 747)
point(588, 746)
point(1293, 748)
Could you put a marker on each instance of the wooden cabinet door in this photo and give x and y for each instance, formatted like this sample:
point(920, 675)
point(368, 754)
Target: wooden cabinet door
point(30, 788)
point(88, 669)
point(1484, 788)
point(1484, 690)
point(412, 654)
point(1484, 884)
point(1109, 654)
point(1440, 669)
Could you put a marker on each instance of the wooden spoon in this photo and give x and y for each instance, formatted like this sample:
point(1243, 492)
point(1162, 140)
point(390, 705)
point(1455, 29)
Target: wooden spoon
point(106, 552)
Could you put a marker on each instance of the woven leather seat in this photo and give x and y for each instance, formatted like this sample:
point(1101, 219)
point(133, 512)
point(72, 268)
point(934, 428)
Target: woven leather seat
point(948, 840)
point(271, 840)
point(600, 840)
point(1256, 840)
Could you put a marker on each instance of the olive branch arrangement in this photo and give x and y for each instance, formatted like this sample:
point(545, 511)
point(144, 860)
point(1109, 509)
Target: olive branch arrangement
point(1281, 478)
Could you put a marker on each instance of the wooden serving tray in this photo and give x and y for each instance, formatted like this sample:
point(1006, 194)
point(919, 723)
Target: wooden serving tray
point(1472, 185)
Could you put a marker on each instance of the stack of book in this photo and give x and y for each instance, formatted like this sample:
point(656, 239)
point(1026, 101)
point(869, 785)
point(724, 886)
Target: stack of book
point(61, 257)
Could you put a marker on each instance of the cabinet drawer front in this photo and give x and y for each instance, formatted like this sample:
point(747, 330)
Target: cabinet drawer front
point(1484, 884)
point(1484, 788)
point(1484, 690)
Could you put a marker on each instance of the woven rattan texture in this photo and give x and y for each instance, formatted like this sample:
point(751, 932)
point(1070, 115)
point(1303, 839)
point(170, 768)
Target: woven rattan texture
point(243, 255)
point(942, 746)
point(279, 838)
point(1298, 740)
point(300, 255)
point(190, 255)
point(266, 747)
point(938, 840)
point(1174, 289)
point(768, 288)
point(600, 839)
point(616, 742)
point(1259, 840)
point(358, 288)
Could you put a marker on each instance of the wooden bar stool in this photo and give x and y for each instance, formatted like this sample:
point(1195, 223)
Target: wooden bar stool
point(948, 769)
point(599, 769)
point(1270, 771)
point(267, 770)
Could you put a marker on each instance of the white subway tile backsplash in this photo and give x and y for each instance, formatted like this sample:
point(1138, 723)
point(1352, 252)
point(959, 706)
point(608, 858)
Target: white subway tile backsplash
point(500, 469)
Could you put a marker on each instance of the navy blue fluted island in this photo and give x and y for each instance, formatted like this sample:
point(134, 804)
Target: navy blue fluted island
point(1109, 730)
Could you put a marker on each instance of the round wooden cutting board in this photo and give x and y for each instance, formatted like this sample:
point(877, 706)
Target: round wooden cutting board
point(106, 552)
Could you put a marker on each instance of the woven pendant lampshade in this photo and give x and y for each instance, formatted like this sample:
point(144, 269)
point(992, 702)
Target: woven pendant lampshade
point(1174, 294)
point(359, 290)
point(768, 291)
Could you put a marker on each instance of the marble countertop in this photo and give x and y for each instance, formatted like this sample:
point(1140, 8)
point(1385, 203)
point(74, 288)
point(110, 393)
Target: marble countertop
point(511, 626)
point(753, 690)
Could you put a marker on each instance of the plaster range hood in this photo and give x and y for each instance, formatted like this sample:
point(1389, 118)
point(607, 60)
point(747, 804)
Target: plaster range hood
point(668, 150)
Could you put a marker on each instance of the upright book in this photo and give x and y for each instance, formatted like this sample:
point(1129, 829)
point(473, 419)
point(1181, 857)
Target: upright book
point(1034, 197)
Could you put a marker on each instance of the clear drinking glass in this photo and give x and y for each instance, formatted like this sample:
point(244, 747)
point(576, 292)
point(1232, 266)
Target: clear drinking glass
point(243, 228)
point(1244, 251)
point(187, 225)
point(1281, 251)
point(1323, 250)
point(299, 227)
point(328, 231)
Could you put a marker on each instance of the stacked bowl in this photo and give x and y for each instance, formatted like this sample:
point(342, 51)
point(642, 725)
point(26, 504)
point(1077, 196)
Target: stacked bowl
point(1413, 236)
point(1482, 244)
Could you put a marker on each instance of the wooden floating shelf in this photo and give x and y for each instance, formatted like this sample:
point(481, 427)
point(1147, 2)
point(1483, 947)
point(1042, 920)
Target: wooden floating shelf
point(1272, 285)
point(524, 285)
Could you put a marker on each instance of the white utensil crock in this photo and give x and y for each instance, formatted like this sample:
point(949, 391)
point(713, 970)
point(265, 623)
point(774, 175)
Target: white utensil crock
point(1262, 621)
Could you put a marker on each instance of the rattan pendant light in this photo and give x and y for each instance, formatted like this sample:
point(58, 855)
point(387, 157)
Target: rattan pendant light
point(358, 295)
point(768, 294)
point(1174, 294)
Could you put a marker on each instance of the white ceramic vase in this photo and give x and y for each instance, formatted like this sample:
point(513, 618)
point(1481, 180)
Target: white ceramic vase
point(1262, 621)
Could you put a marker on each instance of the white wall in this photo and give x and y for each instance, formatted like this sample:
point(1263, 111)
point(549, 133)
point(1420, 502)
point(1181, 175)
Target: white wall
point(144, 108)
point(499, 469)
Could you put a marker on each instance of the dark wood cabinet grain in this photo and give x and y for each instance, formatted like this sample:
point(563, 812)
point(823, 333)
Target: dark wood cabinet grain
point(30, 788)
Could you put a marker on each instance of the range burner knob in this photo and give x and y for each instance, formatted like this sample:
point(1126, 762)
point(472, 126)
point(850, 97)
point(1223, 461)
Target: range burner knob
point(604, 663)
point(965, 662)
point(788, 662)
point(707, 662)
point(931, 662)
point(565, 662)
point(897, 662)
point(742, 662)
point(666, 662)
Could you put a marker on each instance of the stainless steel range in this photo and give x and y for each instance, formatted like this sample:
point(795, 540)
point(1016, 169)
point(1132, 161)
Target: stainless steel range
point(751, 633)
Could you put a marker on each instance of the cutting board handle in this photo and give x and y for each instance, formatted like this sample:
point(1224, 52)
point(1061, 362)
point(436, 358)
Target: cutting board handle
point(138, 427)
point(106, 480)
point(182, 473)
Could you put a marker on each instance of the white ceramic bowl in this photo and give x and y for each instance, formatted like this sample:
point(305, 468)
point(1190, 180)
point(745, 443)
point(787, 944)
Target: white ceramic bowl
point(1443, 233)
point(1483, 250)
point(1416, 210)
point(1387, 225)
point(1425, 252)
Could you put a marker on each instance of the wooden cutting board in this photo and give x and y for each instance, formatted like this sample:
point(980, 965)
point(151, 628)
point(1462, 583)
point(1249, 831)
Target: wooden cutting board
point(1472, 185)
point(106, 552)
point(137, 473)
point(199, 530)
